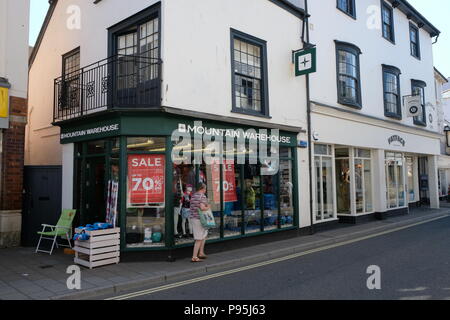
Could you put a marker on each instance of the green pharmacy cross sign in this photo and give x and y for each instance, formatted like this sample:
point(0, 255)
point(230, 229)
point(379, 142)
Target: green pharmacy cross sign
point(305, 61)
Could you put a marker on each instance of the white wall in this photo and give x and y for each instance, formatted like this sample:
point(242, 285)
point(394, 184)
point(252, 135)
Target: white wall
point(196, 54)
point(327, 24)
point(14, 31)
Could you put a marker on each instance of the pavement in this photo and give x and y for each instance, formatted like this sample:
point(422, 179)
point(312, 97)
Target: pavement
point(25, 275)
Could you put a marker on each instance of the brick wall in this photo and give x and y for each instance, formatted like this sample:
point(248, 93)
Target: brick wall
point(13, 156)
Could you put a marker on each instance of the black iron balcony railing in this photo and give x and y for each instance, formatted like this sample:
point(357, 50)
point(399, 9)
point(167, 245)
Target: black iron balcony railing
point(116, 82)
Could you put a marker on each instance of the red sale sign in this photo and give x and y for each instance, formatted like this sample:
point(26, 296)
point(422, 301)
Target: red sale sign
point(229, 182)
point(146, 180)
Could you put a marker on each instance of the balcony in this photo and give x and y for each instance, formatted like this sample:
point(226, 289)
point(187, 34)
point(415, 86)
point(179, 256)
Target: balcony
point(116, 82)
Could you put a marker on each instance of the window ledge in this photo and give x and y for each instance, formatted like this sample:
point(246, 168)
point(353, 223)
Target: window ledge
point(389, 40)
point(346, 13)
point(351, 104)
point(393, 116)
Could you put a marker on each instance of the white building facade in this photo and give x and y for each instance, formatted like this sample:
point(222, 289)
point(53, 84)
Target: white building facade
point(370, 158)
point(158, 67)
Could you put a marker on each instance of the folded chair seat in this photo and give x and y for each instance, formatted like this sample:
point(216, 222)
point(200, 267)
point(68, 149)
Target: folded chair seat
point(62, 228)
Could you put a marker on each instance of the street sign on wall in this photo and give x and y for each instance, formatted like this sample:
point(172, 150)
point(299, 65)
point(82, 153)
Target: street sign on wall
point(305, 62)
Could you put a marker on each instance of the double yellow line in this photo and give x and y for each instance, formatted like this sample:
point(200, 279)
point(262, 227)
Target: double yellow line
point(265, 263)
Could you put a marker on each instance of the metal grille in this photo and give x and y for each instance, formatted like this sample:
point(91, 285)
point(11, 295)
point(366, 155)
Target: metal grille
point(122, 81)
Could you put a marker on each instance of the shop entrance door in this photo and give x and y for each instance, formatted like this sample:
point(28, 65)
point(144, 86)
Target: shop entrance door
point(423, 181)
point(95, 193)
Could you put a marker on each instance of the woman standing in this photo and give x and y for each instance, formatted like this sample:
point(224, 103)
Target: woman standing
point(199, 201)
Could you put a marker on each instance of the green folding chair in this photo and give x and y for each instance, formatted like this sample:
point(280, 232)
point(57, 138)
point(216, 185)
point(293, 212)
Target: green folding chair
point(62, 228)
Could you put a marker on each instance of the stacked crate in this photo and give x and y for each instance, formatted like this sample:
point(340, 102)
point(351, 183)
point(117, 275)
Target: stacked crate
point(102, 248)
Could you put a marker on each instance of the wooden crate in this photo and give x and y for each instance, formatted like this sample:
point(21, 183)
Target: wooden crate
point(102, 248)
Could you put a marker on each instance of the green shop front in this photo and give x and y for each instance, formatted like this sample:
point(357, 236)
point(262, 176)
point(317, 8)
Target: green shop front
point(128, 171)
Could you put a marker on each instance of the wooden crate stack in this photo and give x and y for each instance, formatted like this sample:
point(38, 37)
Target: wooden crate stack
point(102, 248)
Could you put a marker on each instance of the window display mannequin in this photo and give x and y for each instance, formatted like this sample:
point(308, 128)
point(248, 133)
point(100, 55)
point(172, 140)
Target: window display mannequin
point(186, 209)
point(178, 192)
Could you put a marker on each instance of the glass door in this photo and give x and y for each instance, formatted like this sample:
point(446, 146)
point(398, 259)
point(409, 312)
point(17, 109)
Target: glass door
point(324, 184)
point(395, 180)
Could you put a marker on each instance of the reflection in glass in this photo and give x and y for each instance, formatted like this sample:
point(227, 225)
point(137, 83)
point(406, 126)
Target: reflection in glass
point(147, 144)
point(359, 191)
point(286, 194)
point(343, 186)
point(270, 191)
point(368, 185)
point(145, 227)
point(252, 198)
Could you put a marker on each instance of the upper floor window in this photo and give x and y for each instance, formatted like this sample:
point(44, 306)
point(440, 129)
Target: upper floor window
point(249, 74)
point(348, 74)
point(347, 6)
point(418, 89)
point(392, 95)
point(71, 62)
point(414, 39)
point(70, 89)
point(387, 19)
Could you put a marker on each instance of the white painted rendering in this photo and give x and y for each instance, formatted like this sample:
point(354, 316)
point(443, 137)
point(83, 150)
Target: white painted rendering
point(14, 31)
point(67, 175)
point(195, 49)
point(335, 124)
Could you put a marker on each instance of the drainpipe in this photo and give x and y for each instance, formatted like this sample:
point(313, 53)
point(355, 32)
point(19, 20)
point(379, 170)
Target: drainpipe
point(306, 44)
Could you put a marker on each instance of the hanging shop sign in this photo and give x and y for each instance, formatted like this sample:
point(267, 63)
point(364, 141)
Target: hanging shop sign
point(305, 61)
point(229, 182)
point(146, 176)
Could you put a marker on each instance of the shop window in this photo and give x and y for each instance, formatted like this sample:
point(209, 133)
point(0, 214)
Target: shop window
point(363, 181)
point(249, 74)
point(395, 180)
point(324, 188)
point(286, 194)
point(343, 180)
point(410, 177)
point(140, 144)
point(146, 198)
point(96, 147)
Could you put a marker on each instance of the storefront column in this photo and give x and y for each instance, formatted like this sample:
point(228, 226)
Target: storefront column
point(67, 175)
point(379, 180)
point(433, 181)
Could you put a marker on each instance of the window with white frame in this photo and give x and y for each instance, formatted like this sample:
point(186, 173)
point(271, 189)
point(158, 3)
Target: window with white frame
point(395, 180)
point(324, 183)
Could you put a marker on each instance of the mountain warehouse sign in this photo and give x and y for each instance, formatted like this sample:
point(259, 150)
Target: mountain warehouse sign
point(108, 129)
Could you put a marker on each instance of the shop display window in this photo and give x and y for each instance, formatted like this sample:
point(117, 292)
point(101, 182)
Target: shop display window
point(395, 180)
point(146, 198)
point(343, 180)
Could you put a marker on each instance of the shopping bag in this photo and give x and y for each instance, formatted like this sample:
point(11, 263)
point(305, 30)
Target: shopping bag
point(207, 219)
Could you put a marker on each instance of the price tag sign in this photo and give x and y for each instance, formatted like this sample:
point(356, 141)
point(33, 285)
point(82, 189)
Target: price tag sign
point(229, 182)
point(146, 180)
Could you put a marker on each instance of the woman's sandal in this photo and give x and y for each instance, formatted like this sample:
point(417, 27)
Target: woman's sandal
point(203, 257)
point(194, 260)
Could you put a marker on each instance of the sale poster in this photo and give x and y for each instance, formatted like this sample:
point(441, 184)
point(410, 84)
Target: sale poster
point(146, 180)
point(229, 182)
